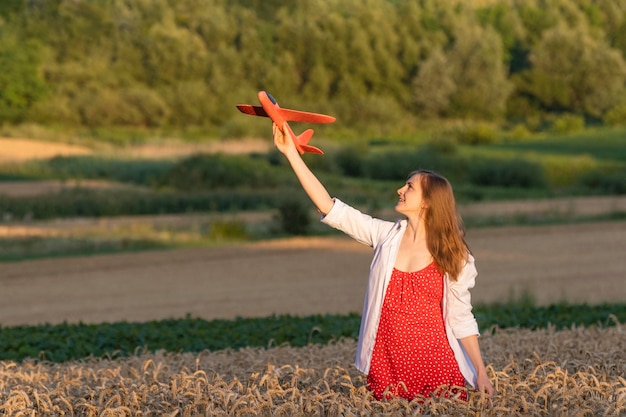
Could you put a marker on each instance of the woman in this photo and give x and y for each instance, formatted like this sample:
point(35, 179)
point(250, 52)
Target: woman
point(418, 335)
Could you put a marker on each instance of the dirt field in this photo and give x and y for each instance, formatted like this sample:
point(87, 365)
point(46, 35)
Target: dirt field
point(580, 263)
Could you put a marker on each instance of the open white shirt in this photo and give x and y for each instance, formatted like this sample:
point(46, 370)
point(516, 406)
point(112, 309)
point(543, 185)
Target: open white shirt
point(384, 238)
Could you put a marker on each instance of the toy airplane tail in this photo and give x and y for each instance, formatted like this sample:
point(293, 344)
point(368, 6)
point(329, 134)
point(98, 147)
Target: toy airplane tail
point(302, 141)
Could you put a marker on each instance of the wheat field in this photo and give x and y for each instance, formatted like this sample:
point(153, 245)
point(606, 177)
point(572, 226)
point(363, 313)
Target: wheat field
point(572, 372)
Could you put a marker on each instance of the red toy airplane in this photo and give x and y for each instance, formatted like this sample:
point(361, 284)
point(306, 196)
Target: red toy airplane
point(270, 108)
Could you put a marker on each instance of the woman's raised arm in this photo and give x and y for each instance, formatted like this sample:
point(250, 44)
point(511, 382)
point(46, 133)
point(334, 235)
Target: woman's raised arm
point(310, 183)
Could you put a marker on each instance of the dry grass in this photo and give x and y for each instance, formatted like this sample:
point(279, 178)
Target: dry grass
point(576, 372)
point(16, 150)
point(177, 149)
point(20, 150)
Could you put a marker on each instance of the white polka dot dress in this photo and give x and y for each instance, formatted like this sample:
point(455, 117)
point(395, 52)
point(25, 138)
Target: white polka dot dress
point(412, 355)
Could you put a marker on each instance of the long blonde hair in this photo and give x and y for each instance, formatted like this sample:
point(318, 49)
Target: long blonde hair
point(445, 233)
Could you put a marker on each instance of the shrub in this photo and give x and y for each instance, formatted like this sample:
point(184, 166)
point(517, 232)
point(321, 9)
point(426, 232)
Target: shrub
point(96, 203)
point(519, 132)
point(564, 170)
point(393, 166)
point(239, 127)
point(150, 109)
point(293, 216)
point(206, 172)
point(396, 165)
point(377, 114)
point(222, 230)
point(319, 163)
point(616, 116)
point(443, 144)
point(604, 182)
point(142, 172)
point(507, 173)
point(568, 123)
point(350, 162)
point(53, 110)
point(475, 134)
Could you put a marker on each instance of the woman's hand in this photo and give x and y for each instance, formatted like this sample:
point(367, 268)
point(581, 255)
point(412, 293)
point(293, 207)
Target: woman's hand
point(483, 384)
point(470, 344)
point(283, 140)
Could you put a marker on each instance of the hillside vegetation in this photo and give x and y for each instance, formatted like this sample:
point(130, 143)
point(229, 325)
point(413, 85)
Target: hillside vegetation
point(382, 67)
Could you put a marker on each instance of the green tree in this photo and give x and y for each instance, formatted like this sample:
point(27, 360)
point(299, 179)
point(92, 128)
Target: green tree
point(192, 102)
point(619, 37)
point(507, 22)
point(536, 18)
point(478, 70)
point(433, 85)
point(174, 53)
point(306, 33)
point(128, 40)
point(317, 87)
point(410, 33)
point(573, 71)
point(177, 62)
point(21, 84)
point(283, 78)
point(10, 7)
point(335, 59)
point(379, 20)
point(72, 29)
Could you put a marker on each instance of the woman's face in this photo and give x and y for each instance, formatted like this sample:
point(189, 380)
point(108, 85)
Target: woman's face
point(410, 200)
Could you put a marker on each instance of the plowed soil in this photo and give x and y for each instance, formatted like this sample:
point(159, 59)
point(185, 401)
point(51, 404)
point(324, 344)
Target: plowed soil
point(302, 276)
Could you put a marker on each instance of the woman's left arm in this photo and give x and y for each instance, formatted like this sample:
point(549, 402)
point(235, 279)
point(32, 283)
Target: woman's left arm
point(464, 325)
point(470, 345)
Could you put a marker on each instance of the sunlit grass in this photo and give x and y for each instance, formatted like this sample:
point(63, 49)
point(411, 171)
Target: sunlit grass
point(602, 144)
point(98, 237)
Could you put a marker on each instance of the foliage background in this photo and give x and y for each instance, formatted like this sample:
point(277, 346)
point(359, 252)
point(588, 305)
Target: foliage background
point(380, 66)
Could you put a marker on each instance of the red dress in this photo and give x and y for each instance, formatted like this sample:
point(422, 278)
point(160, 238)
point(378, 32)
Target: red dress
point(412, 355)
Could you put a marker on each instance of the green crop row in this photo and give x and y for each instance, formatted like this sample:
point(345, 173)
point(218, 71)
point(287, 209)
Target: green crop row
point(209, 183)
point(97, 203)
point(64, 342)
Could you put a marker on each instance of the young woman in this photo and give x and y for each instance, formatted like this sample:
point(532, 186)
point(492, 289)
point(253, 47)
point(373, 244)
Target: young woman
point(418, 333)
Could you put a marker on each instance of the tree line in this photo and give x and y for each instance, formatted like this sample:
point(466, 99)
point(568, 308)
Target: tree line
point(186, 63)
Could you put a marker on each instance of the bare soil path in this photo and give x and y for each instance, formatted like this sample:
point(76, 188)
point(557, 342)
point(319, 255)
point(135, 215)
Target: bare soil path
point(20, 150)
point(578, 263)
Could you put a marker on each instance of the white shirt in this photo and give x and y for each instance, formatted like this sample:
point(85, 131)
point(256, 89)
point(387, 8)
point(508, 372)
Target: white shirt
point(384, 237)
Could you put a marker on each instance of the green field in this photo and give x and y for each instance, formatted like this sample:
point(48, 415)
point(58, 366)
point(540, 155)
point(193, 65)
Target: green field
point(63, 342)
point(592, 162)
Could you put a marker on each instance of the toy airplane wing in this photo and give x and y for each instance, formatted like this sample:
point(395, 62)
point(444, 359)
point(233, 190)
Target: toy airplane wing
point(270, 108)
point(288, 114)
